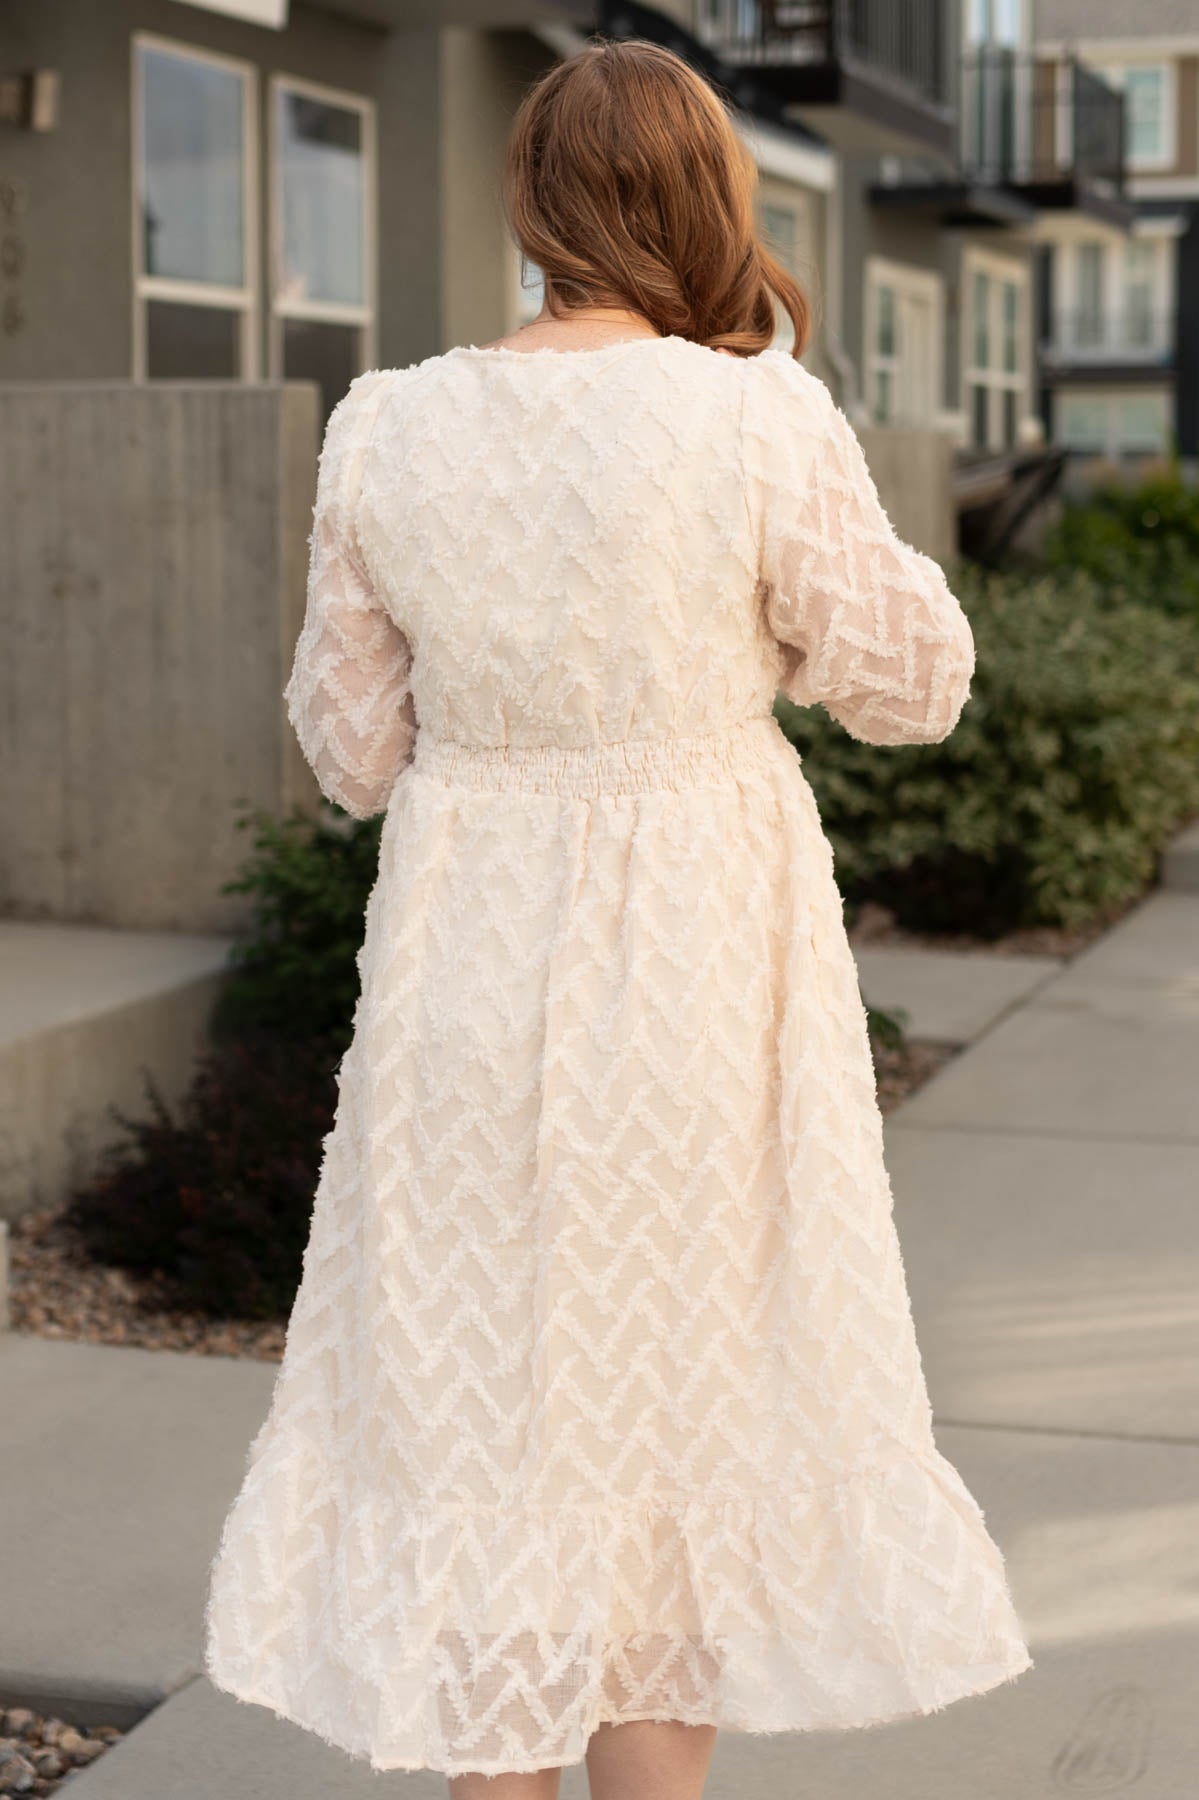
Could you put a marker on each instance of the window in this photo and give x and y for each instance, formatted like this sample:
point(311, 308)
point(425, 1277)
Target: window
point(780, 227)
point(982, 319)
point(1150, 112)
point(1142, 423)
point(322, 248)
point(530, 289)
point(995, 376)
point(1114, 299)
point(1082, 423)
point(903, 337)
point(884, 353)
point(1145, 116)
point(195, 274)
point(1011, 327)
point(994, 22)
point(1090, 278)
point(1140, 269)
point(1118, 422)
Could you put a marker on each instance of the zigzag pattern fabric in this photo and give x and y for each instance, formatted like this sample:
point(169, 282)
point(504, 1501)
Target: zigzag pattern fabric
point(601, 1397)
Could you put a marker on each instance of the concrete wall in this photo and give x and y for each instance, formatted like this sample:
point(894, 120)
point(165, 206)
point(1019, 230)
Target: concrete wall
point(868, 230)
point(89, 1015)
point(483, 78)
point(152, 578)
point(411, 277)
point(811, 210)
point(911, 470)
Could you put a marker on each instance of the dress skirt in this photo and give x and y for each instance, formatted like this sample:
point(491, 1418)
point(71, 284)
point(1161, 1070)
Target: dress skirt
point(601, 1398)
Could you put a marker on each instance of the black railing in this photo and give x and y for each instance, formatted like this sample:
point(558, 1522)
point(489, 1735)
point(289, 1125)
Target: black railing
point(1025, 122)
point(902, 41)
point(903, 38)
point(1128, 334)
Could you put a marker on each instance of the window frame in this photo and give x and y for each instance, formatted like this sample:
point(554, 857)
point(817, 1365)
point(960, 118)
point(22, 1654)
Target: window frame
point(997, 380)
point(1114, 341)
point(519, 309)
point(1109, 399)
point(1114, 71)
point(795, 208)
point(914, 281)
point(364, 317)
point(245, 301)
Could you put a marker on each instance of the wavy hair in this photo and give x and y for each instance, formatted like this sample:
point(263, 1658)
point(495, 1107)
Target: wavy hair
point(627, 183)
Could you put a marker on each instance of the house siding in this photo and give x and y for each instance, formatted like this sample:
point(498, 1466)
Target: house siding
point(485, 75)
point(76, 211)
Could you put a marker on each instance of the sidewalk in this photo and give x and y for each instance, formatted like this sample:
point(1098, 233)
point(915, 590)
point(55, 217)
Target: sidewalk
point(1047, 1199)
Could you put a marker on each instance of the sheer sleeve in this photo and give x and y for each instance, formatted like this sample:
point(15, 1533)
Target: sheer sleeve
point(348, 696)
point(867, 625)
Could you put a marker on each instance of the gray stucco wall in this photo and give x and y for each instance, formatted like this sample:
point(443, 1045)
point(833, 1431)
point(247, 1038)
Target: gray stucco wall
point(867, 230)
point(911, 469)
point(152, 592)
point(484, 76)
point(75, 225)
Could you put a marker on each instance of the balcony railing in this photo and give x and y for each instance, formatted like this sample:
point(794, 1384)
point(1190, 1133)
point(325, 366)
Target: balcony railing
point(1031, 123)
point(1136, 334)
point(905, 44)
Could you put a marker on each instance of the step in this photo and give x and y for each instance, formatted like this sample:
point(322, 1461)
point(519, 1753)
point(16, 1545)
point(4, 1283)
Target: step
point(86, 1013)
point(119, 1465)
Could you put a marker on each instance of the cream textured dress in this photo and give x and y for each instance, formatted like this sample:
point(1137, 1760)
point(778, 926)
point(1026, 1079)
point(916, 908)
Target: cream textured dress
point(601, 1398)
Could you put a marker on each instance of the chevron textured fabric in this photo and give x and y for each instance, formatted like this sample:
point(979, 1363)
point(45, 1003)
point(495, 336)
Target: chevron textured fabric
point(601, 1398)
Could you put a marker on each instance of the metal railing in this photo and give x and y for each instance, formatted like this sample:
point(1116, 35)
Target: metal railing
point(1026, 122)
point(1132, 334)
point(903, 41)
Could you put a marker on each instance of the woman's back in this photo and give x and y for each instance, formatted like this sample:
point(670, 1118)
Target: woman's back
point(568, 547)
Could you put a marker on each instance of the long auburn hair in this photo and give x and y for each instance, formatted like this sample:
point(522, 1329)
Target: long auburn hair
point(626, 182)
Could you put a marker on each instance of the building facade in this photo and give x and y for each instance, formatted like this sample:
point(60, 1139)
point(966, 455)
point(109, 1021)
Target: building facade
point(300, 193)
point(1119, 310)
point(956, 159)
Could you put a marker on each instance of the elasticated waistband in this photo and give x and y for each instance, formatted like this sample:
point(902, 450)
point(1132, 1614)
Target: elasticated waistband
point(619, 766)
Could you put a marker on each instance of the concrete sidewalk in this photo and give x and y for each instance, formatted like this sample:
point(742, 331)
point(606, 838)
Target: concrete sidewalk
point(1047, 1199)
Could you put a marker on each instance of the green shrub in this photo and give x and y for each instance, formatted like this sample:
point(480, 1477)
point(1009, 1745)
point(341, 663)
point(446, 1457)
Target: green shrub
point(1137, 542)
point(1075, 758)
point(294, 970)
point(217, 1197)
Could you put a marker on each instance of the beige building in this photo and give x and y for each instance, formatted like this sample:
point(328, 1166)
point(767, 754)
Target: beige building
point(1120, 350)
point(247, 190)
point(1118, 310)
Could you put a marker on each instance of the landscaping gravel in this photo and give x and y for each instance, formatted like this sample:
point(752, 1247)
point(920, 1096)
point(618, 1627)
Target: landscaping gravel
point(56, 1291)
point(37, 1752)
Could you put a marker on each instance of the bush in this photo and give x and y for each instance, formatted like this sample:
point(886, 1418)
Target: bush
point(1075, 758)
point(1137, 542)
point(294, 970)
point(217, 1195)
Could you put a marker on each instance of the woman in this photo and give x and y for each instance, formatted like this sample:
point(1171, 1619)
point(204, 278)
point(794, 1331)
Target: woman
point(601, 1422)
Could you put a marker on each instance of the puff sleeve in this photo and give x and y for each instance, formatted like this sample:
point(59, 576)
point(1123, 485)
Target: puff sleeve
point(348, 695)
point(867, 625)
